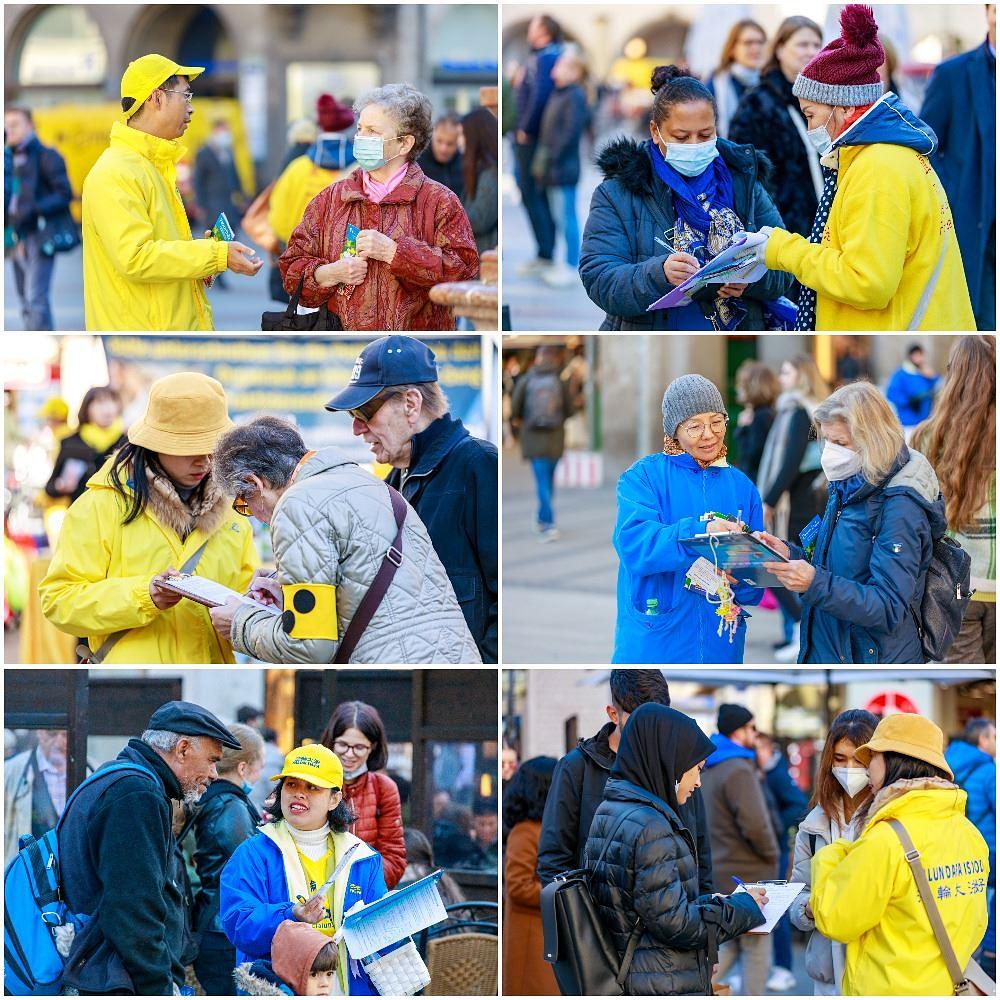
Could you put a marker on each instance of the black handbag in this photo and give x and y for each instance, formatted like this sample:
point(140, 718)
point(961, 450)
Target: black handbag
point(59, 233)
point(576, 943)
point(291, 319)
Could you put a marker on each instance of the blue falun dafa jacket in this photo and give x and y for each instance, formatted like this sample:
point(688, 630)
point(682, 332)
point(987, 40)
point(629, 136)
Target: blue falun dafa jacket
point(660, 501)
point(871, 557)
point(255, 897)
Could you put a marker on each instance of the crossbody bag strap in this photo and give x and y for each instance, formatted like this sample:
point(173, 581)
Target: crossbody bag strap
point(101, 653)
point(391, 561)
point(927, 898)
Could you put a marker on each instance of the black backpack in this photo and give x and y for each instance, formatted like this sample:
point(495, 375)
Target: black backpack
point(543, 402)
point(576, 943)
point(947, 592)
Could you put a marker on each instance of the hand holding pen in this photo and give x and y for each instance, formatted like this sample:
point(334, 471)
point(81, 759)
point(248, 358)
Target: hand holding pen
point(758, 892)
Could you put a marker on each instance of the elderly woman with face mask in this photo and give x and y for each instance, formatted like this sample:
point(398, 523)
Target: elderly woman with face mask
point(861, 568)
point(346, 546)
point(410, 233)
point(663, 499)
point(882, 254)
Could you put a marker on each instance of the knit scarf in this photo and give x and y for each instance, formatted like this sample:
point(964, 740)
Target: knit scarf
point(806, 316)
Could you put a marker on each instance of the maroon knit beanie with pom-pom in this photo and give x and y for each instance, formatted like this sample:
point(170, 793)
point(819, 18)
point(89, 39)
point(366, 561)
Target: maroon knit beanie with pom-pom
point(845, 72)
point(331, 115)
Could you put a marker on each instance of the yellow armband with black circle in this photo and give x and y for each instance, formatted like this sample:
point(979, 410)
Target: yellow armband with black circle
point(310, 611)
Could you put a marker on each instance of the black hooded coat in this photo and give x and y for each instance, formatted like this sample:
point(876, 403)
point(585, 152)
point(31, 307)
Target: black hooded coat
point(649, 873)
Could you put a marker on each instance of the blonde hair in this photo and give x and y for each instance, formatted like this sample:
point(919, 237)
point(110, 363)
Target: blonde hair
point(251, 748)
point(810, 383)
point(874, 426)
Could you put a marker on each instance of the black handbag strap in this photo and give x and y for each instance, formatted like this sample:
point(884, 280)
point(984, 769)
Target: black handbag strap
point(391, 561)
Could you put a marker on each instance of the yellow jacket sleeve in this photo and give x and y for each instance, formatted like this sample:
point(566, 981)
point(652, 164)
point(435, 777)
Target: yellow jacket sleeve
point(280, 204)
point(76, 595)
point(851, 886)
point(124, 228)
point(249, 561)
point(873, 220)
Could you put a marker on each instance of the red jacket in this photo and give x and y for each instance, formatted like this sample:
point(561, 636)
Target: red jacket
point(434, 243)
point(374, 800)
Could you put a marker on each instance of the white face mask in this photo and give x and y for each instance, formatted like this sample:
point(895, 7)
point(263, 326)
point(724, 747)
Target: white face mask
point(852, 779)
point(820, 137)
point(839, 462)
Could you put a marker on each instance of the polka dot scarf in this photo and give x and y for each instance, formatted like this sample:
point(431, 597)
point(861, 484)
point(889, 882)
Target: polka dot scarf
point(806, 318)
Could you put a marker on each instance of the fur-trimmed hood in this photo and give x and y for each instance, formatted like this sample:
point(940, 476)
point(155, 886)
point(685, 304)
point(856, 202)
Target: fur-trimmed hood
point(627, 161)
point(252, 979)
point(898, 789)
point(206, 512)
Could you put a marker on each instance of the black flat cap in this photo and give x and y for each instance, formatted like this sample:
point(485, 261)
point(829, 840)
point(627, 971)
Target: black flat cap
point(192, 720)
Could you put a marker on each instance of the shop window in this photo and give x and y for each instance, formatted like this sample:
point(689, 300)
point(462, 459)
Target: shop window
point(63, 46)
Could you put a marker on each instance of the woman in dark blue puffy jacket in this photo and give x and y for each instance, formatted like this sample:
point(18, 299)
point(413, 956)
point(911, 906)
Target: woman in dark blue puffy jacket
point(644, 866)
point(862, 567)
point(666, 207)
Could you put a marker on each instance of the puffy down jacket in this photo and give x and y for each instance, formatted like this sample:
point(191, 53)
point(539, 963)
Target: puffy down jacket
point(332, 527)
point(374, 800)
point(650, 873)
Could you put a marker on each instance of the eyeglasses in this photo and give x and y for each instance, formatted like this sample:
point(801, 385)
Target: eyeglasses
point(366, 411)
point(186, 94)
point(717, 426)
point(241, 506)
point(358, 749)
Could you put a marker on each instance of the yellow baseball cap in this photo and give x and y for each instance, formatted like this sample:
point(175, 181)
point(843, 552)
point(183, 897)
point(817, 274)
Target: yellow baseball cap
point(316, 764)
point(143, 75)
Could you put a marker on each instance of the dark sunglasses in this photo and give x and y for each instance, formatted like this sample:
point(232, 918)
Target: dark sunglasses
point(366, 412)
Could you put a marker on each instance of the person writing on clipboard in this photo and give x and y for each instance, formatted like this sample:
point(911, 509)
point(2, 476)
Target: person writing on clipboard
point(673, 605)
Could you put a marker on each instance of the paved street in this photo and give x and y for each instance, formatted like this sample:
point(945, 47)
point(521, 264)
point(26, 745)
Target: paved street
point(237, 307)
point(559, 598)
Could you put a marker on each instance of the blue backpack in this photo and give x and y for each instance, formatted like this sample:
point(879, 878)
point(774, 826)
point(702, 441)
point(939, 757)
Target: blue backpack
point(34, 904)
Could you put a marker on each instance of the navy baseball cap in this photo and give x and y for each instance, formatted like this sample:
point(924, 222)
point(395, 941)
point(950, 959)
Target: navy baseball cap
point(394, 360)
point(192, 720)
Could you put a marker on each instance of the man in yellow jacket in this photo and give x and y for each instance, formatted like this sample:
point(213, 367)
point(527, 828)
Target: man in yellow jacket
point(141, 269)
point(882, 254)
point(864, 893)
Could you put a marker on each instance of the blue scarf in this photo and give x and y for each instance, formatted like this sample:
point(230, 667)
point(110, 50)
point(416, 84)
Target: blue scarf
point(715, 182)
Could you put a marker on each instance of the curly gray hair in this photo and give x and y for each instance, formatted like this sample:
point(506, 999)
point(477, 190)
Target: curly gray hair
point(410, 109)
point(266, 447)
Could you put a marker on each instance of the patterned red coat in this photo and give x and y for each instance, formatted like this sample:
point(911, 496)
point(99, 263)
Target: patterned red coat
point(374, 800)
point(434, 243)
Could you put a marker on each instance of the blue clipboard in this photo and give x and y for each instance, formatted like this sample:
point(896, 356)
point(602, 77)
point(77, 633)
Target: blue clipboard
point(740, 554)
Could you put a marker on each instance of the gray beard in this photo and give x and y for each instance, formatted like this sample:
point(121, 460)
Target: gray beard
point(191, 796)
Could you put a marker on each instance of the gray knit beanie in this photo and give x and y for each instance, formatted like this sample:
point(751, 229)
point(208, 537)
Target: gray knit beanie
point(686, 397)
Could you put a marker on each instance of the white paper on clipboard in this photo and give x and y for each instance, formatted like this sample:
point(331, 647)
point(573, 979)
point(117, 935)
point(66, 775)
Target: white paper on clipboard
point(780, 896)
point(212, 594)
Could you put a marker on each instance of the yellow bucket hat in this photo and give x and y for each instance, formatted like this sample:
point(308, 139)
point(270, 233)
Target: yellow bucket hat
point(316, 764)
point(143, 75)
point(911, 735)
point(185, 415)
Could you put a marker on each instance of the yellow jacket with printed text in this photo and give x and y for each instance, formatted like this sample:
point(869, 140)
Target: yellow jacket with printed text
point(141, 269)
point(864, 893)
point(98, 581)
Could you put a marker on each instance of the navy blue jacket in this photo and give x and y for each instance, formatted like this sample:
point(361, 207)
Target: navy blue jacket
point(563, 123)
point(960, 106)
point(872, 555)
point(44, 191)
point(976, 774)
point(621, 260)
point(116, 848)
point(535, 87)
point(452, 485)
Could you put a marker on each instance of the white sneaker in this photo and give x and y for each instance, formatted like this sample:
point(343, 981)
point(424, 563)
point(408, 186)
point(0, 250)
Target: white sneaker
point(561, 276)
point(781, 980)
point(789, 653)
point(548, 535)
point(533, 268)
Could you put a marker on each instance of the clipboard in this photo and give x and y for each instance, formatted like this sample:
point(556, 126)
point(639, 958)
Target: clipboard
point(740, 554)
point(780, 896)
point(210, 594)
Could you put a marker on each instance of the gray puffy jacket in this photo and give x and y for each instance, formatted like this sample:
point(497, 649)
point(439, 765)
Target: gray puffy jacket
point(332, 526)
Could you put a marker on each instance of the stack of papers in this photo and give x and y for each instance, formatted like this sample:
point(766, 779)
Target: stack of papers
point(780, 896)
point(737, 263)
point(211, 594)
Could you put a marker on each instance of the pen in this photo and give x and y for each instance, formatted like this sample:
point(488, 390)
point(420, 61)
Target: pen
point(738, 881)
